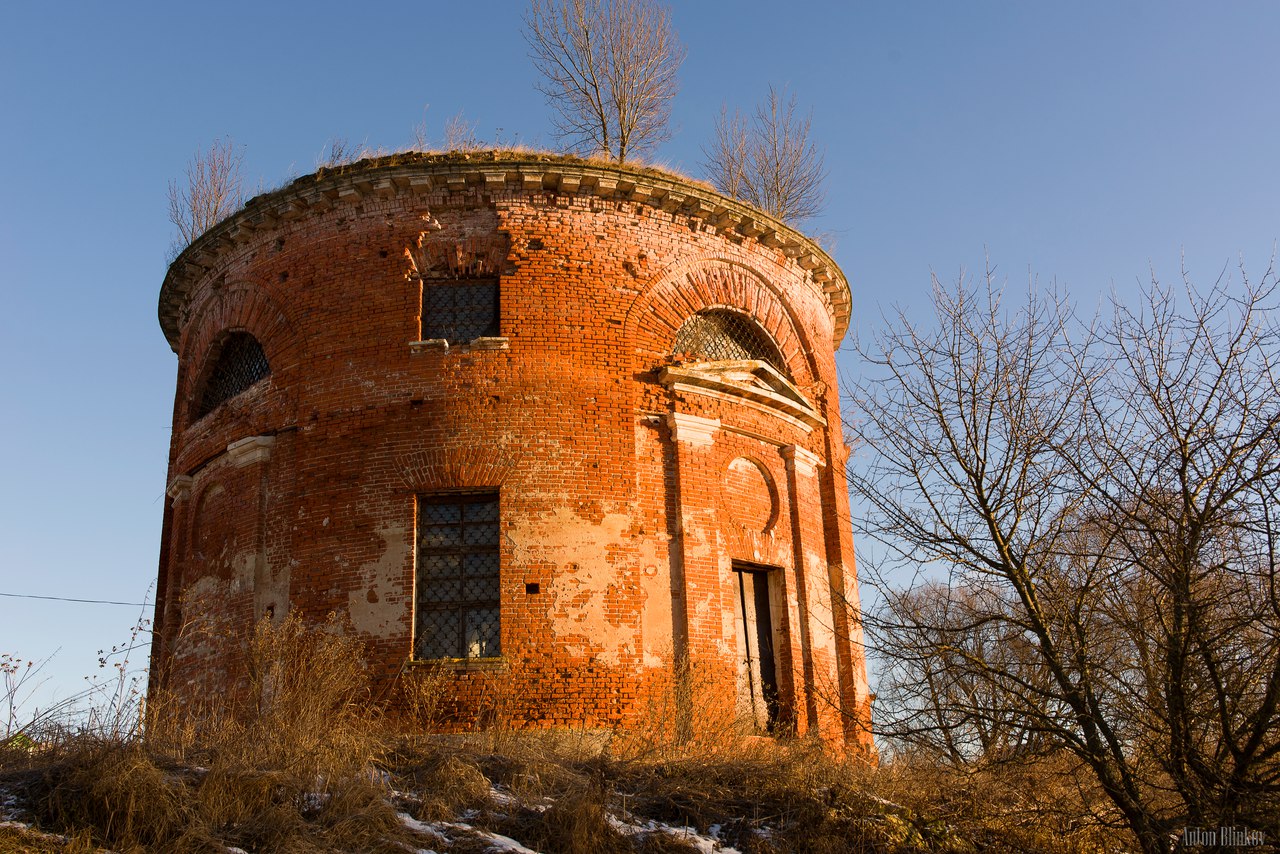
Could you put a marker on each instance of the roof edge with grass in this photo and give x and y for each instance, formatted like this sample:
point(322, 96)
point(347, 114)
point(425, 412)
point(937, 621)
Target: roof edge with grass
point(418, 172)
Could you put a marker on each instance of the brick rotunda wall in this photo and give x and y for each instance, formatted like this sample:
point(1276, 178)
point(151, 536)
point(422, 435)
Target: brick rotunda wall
point(651, 507)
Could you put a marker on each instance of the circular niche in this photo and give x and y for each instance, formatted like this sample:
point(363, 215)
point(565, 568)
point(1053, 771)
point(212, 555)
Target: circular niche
point(749, 496)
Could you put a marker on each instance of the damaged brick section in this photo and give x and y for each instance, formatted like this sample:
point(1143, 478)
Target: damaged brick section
point(520, 477)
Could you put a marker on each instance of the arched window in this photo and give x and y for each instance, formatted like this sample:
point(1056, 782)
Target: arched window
point(719, 334)
point(240, 364)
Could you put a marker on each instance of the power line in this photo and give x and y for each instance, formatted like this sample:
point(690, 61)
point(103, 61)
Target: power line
point(66, 599)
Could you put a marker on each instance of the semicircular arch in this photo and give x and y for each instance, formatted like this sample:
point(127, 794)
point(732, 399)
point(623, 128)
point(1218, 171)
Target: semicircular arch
point(716, 282)
point(240, 307)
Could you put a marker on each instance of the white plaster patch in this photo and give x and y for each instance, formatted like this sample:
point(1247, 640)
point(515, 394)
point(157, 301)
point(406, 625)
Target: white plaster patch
point(656, 616)
point(377, 605)
point(581, 550)
point(242, 571)
point(821, 619)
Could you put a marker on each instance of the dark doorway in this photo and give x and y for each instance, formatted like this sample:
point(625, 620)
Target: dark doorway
point(757, 671)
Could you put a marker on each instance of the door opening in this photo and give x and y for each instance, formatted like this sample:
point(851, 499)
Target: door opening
point(757, 671)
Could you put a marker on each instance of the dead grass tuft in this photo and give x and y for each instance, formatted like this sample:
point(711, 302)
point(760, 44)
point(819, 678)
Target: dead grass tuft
point(577, 822)
point(292, 766)
point(115, 791)
point(445, 784)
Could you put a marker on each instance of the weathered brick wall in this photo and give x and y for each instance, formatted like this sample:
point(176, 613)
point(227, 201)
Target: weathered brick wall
point(626, 493)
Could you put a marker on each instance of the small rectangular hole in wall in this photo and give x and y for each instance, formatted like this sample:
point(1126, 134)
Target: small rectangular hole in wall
point(531, 588)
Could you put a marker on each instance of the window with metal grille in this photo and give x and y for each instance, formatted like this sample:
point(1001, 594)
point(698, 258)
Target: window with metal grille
point(240, 364)
point(719, 334)
point(460, 310)
point(457, 590)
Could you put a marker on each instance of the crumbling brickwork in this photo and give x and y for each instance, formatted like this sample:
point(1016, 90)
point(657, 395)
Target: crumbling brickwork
point(654, 508)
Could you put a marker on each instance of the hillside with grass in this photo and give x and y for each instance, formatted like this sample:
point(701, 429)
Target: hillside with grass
point(308, 761)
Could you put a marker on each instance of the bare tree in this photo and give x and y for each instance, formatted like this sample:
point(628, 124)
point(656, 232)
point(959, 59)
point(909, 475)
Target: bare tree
point(1101, 497)
point(609, 71)
point(769, 160)
point(214, 188)
point(940, 703)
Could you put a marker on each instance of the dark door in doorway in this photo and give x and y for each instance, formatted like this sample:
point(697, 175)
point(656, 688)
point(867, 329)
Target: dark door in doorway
point(757, 670)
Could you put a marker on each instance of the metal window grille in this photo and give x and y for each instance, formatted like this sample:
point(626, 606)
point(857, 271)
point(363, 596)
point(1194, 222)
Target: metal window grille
point(241, 364)
point(458, 575)
point(460, 310)
point(719, 335)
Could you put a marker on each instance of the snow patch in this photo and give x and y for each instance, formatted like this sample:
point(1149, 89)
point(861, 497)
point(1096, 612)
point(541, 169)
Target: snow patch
point(707, 844)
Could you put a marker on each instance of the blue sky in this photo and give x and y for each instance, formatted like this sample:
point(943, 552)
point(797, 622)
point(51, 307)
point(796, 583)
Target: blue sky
point(1090, 143)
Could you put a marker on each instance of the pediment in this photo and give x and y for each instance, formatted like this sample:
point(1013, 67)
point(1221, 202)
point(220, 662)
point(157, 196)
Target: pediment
point(749, 381)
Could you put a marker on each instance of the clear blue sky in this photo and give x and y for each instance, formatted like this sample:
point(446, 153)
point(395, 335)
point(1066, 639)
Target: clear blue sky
point(1087, 142)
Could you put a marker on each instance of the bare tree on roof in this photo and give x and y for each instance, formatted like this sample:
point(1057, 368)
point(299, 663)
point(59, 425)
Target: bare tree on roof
point(769, 159)
point(214, 189)
point(609, 71)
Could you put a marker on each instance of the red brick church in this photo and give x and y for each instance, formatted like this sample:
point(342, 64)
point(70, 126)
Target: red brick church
point(529, 419)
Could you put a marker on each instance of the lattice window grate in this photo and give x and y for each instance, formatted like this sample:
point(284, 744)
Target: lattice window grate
point(720, 335)
point(458, 575)
point(241, 364)
point(460, 310)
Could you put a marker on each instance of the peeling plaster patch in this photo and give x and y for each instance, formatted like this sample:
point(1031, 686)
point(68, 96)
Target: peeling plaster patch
point(206, 598)
point(656, 617)
point(587, 550)
point(657, 607)
point(243, 567)
point(376, 605)
point(822, 622)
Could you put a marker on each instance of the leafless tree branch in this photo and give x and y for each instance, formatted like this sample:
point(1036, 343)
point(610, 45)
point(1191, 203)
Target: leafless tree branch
point(1100, 498)
point(609, 71)
point(769, 160)
point(214, 189)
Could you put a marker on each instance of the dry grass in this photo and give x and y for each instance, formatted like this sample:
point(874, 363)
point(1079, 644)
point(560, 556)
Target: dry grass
point(292, 767)
point(306, 762)
point(1035, 804)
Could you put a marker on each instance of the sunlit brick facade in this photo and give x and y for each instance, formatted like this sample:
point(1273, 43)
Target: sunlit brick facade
point(548, 425)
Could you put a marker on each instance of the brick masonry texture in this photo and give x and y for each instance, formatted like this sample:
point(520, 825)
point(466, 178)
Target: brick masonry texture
point(632, 481)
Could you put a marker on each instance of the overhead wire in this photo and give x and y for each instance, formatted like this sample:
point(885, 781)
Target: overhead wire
point(69, 599)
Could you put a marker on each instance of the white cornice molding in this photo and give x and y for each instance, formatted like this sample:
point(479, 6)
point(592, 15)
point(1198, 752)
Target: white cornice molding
point(748, 382)
point(693, 429)
point(250, 450)
point(179, 488)
point(400, 175)
point(805, 462)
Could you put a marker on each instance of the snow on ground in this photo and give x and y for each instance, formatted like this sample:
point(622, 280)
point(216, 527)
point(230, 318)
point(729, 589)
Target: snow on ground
point(439, 830)
point(8, 804)
point(707, 844)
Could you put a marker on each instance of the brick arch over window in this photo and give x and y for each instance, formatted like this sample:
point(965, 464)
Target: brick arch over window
point(457, 467)
point(657, 315)
point(235, 308)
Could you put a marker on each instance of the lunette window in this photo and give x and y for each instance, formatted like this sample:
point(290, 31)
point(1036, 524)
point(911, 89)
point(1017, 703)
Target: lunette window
point(720, 334)
point(457, 607)
point(241, 364)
